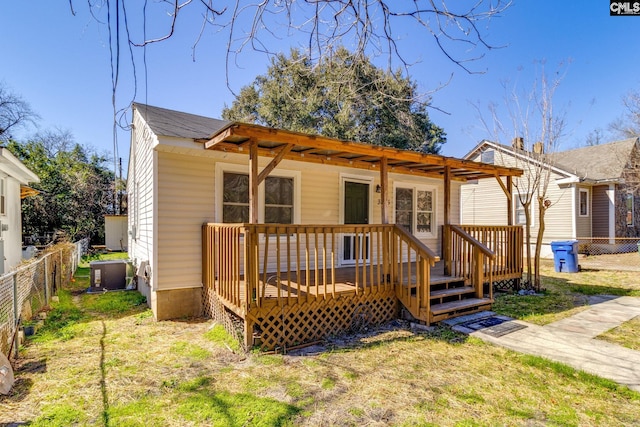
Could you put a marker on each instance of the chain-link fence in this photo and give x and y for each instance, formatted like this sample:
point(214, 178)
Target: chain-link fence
point(607, 246)
point(619, 254)
point(30, 287)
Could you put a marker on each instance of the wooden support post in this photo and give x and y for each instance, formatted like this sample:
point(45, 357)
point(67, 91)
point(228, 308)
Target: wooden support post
point(16, 316)
point(447, 195)
point(477, 273)
point(446, 241)
point(248, 333)
point(509, 200)
point(47, 290)
point(384, 189)
point(253, 182)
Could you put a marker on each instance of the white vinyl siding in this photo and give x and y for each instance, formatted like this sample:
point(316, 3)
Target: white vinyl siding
point(185, 202)
point(140, 187)
point(189, 195)
point(12, 219)
point(484, 203)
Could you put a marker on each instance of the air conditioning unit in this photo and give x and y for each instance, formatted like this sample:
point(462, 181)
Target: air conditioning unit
point(108, 275)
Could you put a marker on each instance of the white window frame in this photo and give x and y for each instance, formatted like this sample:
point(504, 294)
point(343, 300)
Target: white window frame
point(516, 203)
point(434, 220)
point(582, 191)
point(633, 209)
point(488, 153)
point(221, 168)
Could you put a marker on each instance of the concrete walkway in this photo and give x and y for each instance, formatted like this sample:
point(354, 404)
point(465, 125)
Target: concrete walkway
point(571, 340)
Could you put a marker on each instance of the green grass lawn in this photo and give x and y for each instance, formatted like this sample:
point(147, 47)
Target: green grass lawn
point(101, 359)
point(565, 294)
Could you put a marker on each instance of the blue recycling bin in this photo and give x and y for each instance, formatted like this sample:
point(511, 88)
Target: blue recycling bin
point(565, 256)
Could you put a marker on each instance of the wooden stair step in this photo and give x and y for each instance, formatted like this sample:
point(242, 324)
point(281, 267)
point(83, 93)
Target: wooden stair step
point(443, 293)
point(448, 307)
point(445, 280)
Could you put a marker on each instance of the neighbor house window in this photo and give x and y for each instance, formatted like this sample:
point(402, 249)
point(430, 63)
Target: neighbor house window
point(630, 211)
point(519, 210)
point(415, 209)
point(3, 198)
point(276, 199)
point(487, 156)
point(584, 202)
point(235, 197)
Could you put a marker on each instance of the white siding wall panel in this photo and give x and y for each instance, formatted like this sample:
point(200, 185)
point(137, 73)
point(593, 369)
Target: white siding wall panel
point(483, 203)
point(13, 219)
point(559, 217)
point(185, 202)
point(140, 189)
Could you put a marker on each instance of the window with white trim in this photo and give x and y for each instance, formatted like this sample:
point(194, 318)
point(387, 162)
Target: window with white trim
point(278, 200)
point(487, 156)
point(235, 197)
point(630, 211)
point(415, 209)
point(519, 211)
point(583, 208)
point(278, 197)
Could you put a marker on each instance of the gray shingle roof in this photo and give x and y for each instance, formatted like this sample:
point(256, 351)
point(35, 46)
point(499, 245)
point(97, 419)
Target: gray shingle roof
point(597, 162)
point(166, 122)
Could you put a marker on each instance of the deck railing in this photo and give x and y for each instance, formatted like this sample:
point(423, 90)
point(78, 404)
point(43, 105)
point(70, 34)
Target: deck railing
point(412, 262)
point(507, 242)
point(469, 258)
point(250, 263)
point(223, 255)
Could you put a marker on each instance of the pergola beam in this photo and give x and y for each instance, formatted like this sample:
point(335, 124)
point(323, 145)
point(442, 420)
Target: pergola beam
point(261, 133)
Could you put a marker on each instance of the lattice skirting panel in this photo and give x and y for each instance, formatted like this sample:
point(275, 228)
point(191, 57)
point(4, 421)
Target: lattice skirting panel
point(507, 285)
point(215, 309)
point(288, 326)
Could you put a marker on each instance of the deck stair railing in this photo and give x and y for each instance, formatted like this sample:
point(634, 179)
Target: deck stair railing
point(469, 258)
point(412, 262)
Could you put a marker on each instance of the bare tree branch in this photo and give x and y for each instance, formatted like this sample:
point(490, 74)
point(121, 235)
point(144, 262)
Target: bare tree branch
point(14, 112)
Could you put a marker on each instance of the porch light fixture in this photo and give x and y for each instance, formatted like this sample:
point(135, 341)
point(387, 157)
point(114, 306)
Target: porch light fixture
point(378, 188)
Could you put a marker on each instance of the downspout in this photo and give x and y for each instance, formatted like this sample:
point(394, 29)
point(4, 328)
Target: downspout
point(574, 213)
point(611, 195)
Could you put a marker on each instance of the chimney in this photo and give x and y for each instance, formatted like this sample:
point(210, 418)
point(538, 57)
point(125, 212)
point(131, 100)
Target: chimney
point(518, 143)
point(538, 148)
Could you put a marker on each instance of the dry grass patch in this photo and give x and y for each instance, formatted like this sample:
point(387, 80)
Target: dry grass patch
point(626, 335)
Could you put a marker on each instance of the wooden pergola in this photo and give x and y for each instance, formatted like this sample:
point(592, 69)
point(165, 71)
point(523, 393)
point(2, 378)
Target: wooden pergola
point(256, 141)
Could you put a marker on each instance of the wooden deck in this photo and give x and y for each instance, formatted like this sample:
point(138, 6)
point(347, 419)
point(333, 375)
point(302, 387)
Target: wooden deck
point(285, 284)
point(343, 283)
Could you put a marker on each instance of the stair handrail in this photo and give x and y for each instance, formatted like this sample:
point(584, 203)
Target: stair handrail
point(418, 303)
point(420, 247)
point(478, 275)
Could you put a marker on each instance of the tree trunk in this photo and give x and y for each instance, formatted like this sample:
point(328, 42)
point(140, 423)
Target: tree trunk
point(541, 226)
point(527, 240)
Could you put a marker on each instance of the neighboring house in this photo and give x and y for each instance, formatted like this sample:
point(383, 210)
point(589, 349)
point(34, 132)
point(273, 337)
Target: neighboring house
point(594, 191)
point(14, 178)
point(298, 235)
point(116, 236)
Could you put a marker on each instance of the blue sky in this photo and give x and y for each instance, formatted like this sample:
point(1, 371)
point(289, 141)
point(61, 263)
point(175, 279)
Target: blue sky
point(60, 64)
